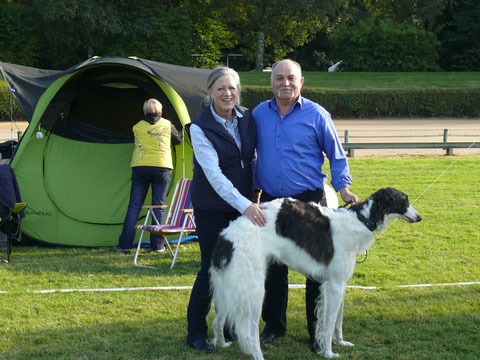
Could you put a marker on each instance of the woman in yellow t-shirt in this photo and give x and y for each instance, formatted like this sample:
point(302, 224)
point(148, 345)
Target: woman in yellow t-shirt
point(151, 166)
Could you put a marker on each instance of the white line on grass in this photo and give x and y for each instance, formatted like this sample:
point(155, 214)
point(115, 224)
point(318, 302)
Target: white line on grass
point(291, 286)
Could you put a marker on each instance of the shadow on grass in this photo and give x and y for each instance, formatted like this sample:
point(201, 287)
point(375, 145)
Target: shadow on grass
point(101, 260)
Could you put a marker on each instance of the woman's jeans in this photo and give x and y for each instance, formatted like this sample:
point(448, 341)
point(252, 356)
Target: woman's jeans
point(142, 178)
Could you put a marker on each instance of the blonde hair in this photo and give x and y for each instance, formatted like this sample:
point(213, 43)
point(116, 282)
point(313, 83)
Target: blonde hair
point(215, 75)
point(152, 106)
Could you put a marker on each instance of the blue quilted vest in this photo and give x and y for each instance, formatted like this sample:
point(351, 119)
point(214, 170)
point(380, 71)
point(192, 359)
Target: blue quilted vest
point(235, 165)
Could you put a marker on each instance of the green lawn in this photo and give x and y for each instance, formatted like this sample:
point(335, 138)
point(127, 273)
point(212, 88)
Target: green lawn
point(391, 80)
point(386, 323)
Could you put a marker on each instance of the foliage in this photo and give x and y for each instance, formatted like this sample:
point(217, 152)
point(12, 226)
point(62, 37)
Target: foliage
point(460, 36)
point(147, 33)
point(418, 12)
point(382, 45)
point(8, 105)
point(58, 34)
point(17, 42)
point(386, 323)
point(267, 31)
point(383, 103)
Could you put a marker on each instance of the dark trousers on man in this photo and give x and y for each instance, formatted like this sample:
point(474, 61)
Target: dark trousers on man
point(274, 311)
point(209, 224)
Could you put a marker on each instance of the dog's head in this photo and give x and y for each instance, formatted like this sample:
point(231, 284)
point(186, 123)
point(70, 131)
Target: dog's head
point(389, 203)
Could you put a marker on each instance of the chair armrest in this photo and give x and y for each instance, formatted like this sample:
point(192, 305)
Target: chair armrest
point(154, 206)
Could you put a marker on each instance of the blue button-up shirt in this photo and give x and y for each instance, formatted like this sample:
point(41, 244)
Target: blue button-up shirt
point(290, 149)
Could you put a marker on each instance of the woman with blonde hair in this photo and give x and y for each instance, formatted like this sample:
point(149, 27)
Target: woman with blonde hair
point(151, 167)
point(224, 138)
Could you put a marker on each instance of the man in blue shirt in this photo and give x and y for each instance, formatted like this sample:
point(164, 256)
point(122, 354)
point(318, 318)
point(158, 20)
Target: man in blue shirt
point(294, 133)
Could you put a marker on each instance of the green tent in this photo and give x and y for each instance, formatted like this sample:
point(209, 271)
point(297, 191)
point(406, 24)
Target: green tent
point(76, 178)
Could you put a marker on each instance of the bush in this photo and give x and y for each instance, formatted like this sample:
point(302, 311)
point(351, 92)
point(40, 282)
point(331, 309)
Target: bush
point(383, 103)
point(382, 45)
point(5, 105)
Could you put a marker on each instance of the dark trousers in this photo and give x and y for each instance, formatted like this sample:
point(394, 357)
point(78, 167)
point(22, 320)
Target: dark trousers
point(274, 311)
point(142, 178)
point(209, 225)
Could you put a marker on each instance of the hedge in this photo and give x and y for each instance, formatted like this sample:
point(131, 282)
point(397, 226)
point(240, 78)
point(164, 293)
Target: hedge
point(458, 103)
point(352, 103)
point(5, 105)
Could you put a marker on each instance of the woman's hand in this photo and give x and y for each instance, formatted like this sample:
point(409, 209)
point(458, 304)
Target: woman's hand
point(255, 214)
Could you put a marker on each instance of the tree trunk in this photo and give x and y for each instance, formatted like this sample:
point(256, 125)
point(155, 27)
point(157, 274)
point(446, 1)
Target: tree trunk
point(260, 50)
point(261, 42)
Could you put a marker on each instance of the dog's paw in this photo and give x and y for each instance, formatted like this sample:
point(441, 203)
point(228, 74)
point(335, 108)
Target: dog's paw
point(345, 343)
point(331, 355)
point(220, 344)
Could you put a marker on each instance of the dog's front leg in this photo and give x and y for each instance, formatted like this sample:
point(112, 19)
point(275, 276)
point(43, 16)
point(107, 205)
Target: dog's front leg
point(338, 332)
point(327, 311)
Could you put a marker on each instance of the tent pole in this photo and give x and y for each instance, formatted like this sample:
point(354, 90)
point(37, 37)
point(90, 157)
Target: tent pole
point(183, 151)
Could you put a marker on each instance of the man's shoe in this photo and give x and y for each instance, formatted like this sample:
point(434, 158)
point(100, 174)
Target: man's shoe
point(159, 250)
point(124, 251)
point(202, 345)
point(267, 338)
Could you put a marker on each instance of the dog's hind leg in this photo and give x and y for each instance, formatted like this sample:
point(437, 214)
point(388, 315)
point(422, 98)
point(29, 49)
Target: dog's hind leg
point(218, 324)
point(256, 311)
point(247, 327)
point(338, 332)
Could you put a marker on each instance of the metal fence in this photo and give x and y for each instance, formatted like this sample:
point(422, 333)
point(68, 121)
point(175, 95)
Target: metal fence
point(448, 139)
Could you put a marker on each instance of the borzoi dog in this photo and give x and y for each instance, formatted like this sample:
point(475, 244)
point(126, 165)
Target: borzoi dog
point(320, 242)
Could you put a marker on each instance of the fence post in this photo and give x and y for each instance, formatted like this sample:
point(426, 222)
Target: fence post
point(445, 140)
point(350, 152)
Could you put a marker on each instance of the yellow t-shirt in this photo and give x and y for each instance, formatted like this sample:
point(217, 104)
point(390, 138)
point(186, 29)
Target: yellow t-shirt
point(152, 144)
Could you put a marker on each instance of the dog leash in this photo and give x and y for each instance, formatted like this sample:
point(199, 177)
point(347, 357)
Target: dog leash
point(366, 251)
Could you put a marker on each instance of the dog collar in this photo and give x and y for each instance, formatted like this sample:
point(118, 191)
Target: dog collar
point(367, 222)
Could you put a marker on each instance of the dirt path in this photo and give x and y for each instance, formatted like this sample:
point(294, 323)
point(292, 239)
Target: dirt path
point(412, 130)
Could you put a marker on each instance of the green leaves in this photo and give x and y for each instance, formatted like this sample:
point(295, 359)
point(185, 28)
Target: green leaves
point(382, 45)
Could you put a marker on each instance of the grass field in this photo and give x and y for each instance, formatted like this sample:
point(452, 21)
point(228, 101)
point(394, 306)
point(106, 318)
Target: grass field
point(385, 323)
point(379, 80)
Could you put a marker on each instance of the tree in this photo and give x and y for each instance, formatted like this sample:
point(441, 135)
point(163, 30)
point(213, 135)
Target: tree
point(277, 25)
point(210, 36)
point(69, 31)
point(418, 12)
point(461, 36)
point(382, 45)
point(17, 42)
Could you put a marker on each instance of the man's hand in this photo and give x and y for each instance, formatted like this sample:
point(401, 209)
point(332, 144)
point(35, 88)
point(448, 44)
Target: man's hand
point(348, 196)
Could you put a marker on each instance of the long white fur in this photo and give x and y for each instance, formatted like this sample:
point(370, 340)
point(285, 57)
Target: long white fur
point(239, 290)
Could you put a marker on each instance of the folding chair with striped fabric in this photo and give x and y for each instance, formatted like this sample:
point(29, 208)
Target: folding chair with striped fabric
point(180, 219)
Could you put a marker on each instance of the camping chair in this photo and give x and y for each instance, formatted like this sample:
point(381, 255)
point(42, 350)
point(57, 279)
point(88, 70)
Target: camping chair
point(11, 207)
point(180, 219)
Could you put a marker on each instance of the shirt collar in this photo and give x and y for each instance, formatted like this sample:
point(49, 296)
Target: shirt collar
point(273, 102)
point(221, 120)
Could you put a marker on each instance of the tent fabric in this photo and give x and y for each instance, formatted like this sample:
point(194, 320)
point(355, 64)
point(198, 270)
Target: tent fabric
point(76, 179)
point(30, 83)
